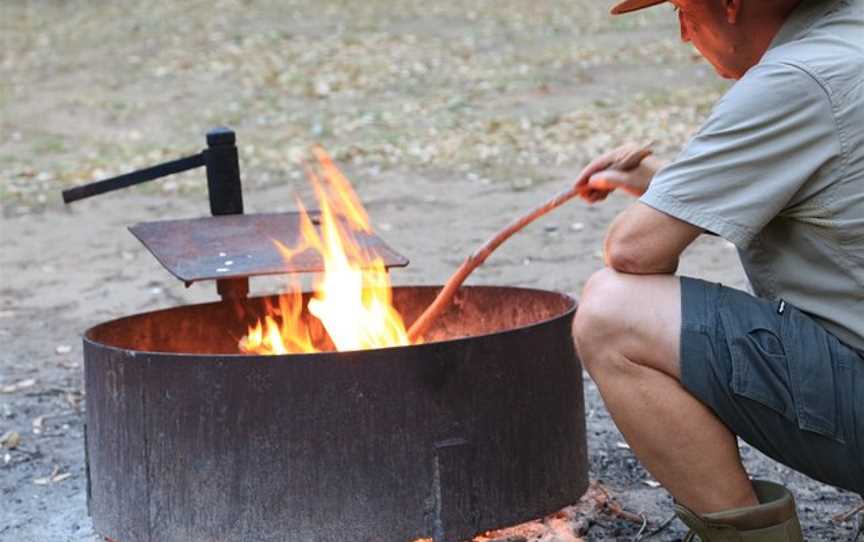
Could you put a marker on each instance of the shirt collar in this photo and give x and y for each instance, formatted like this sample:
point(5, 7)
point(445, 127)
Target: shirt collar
point(802, 18)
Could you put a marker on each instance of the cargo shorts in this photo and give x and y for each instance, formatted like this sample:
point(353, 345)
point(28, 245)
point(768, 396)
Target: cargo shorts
point(777, 379)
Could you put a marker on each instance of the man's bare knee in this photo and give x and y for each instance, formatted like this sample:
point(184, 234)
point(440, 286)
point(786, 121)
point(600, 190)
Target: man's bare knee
point(628, 319)
point(600, 321)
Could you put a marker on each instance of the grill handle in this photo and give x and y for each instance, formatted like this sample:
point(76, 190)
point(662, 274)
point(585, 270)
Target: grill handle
point(136, 177)
point(223, 186)
point(223, 175)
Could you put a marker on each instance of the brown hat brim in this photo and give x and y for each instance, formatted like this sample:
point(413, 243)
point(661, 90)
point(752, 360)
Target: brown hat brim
point(632, 5)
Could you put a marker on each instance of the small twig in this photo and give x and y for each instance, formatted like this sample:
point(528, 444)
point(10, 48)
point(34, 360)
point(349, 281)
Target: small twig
point(419, 328)
point(62, 414)
point(24, 454)
point(610, 505)
point(617, 510)
point(35, 454)
point(638, 536)
point(51, 391)
point(846, 516)
point(660, 528)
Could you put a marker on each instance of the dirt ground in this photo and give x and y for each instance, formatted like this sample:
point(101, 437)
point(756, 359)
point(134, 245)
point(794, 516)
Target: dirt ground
point(449, 117)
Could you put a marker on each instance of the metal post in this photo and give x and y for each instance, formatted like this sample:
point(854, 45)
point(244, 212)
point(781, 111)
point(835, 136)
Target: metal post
point(226, 194)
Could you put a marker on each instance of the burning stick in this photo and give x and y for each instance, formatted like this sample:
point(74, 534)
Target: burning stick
point(624, 162)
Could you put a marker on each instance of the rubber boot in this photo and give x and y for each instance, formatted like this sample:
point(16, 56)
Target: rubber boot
point(774, 519)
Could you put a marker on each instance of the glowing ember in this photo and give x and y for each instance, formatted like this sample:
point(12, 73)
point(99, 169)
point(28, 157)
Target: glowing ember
point(352, 298)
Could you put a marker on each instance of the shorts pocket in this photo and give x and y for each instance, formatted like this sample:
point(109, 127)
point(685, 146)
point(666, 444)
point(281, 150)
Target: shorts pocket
point(783, 362)
point(814, 367)
point(759, 372)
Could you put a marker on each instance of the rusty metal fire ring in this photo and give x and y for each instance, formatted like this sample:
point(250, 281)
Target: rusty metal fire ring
point(189, 441)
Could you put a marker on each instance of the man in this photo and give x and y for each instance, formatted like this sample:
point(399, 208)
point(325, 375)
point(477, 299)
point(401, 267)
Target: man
point(685, 366)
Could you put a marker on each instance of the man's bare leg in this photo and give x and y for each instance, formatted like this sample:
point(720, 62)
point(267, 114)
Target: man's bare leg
point(627, 332)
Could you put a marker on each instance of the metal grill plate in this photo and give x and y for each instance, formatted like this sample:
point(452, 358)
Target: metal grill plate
point(237, 246)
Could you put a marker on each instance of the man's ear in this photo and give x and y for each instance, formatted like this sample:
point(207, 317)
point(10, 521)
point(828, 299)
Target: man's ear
point(733, 10)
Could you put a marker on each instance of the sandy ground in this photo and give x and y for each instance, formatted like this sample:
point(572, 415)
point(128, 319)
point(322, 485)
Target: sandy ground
point(449, 120)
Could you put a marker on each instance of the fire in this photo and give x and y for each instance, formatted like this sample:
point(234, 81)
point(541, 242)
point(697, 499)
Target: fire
point(352, 298)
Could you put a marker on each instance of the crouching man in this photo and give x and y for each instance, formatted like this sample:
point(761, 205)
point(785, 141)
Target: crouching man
point(685, 366)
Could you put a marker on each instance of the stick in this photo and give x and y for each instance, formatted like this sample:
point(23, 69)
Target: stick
point(625, 162)
point(846, 516)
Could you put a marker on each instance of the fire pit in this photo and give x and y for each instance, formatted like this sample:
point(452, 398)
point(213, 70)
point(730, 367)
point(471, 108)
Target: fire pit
point(188, 439)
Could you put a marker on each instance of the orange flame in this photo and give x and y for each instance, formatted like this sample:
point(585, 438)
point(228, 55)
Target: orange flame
point(352, 298)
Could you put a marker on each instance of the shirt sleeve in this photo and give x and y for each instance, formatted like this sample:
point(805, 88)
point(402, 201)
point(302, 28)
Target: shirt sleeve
point(764, 139)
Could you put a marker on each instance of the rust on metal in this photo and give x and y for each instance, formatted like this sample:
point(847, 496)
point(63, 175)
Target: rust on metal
point(237, 246)
point(481, 427)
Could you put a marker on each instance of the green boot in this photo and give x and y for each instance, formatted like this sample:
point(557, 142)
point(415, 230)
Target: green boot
point(773, 520)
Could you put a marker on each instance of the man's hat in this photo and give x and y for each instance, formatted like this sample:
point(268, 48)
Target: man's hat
point(632, 5)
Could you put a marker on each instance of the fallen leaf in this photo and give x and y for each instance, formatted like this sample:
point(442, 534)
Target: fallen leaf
point(47, 479)
point(10, 440)
point(38, 424)
point(55, 478)
point(18, 386)
point(74, 399)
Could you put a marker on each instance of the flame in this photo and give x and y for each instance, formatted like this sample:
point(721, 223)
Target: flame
point(352, 298)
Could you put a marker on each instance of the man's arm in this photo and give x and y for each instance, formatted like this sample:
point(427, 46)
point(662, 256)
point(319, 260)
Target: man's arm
point(641, 240)
point(644, 241)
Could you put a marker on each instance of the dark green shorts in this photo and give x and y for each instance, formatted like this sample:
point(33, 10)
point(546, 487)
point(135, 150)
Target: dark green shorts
point(777, 379)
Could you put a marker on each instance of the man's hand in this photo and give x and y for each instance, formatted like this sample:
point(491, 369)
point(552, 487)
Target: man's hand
point(641, 240)
point(635, 181)
point(604, 174)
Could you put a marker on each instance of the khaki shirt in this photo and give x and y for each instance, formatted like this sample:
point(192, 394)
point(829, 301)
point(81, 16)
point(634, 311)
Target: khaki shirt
point(778, 168)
